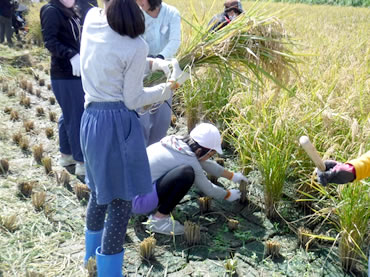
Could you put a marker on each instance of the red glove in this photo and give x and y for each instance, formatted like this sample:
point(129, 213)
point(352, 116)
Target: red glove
point(337, 173)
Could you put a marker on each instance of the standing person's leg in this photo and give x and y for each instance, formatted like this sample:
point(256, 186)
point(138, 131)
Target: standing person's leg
point(160, 122)
point(70, 96)
point(2, 29)
point(9, 30)
point(171, 188)
point(95, 216)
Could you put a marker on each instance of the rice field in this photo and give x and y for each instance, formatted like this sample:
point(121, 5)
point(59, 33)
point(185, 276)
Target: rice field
point(308, 230)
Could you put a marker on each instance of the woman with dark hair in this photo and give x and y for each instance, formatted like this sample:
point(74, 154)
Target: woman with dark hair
point(112, 142)
point(61, 30)
point(163, 35)
point(176, 163)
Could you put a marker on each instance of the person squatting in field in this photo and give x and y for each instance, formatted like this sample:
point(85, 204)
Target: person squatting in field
point(233, 8)
point(163, 35)
point(112, 142)
point(61, 30)
point(176, 163)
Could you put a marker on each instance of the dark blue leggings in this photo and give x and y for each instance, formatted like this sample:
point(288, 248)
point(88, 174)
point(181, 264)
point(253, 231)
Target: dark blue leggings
point(119, 212)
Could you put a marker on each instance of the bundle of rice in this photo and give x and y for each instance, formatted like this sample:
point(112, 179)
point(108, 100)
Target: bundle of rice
point(252, 46)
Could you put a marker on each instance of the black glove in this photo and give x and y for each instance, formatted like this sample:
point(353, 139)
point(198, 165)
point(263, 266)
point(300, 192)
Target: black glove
point(160, 57)
point(337, 173)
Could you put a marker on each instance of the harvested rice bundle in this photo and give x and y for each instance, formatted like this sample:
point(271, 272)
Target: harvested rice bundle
point(252, 46)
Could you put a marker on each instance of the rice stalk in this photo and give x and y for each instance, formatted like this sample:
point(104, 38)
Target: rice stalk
point(91, 267)
point(46, 162)
point(7, 110)
point(25, 189)
point(243, 187)
point(204, 204)
point(147, 247)
point(231, 266)
point(52, 116)
point(233, 224)
point(52, 100)
point(4, 166)
point(9, 222)
point(272, 248)
point(24, 144)
point(82, 191)
point(40, 111)
point(38, 152)
point(14, 115)
point(33, 21)
point(28, 125)
point(304, 237)
point(38, 200)
point(49, 132)
point(17, 137)
point(192, 233)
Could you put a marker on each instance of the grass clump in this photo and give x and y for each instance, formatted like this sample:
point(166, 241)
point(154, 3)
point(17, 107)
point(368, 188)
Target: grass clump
point(33, 21)
point(82, 192)
point(14, 115)
point(52, 100)
point(52, 116)
point(28, 125)
point(272, 248)
point(24, 144)
point(231, 266)
point(63, 179)
point(25, 189)
point(204, 204)
point(17, 137)
point(40, 111)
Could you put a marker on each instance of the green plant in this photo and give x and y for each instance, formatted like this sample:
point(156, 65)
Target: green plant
point(33, 21)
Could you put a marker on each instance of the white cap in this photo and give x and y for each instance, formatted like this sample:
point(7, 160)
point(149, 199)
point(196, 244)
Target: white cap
point(208, 136)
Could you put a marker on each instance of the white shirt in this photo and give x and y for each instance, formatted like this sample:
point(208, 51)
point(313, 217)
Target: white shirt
point(163, 33)
point(113, 66)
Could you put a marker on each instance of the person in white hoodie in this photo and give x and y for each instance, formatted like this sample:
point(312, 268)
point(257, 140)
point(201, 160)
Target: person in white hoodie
point(112, 142)
point(163, 35)
point(176, 163)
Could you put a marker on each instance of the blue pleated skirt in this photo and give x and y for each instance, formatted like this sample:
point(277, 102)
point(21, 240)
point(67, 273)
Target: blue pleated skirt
point(115, 156)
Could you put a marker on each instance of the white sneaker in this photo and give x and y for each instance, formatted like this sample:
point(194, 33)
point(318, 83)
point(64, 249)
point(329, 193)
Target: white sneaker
point(165, 226)
point(66, 160)
point(80, 169)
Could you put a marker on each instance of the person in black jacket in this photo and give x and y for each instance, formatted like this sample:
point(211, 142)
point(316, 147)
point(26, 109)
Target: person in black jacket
point(61, 30)
point(233, 8)
point(6, 12)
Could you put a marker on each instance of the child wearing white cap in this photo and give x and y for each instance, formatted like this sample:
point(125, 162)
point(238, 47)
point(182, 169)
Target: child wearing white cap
point(176, 163)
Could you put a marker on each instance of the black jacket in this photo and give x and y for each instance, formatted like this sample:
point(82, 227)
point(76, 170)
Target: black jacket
point(218, 21)
point(85, 6)
point(6, 8)
point(61, 30)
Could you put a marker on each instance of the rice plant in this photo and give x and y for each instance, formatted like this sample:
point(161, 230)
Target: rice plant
point(24, 144)
point(192, 233)
point(38, 200)
point(4, 166)
point(231, 266)
point(48, 86)
point(147, 247)
point(38, 152)
point(38, 93)
point(40, 111)
point(17, 137)
point(11, 93)
point(46, 162)
point(9, 222)
point(52, 116)
point(28, 125)
point(42, 82)
point(49, 132)
point(204, 204)
point(243, 187)
point(91, 267)
point(5, 88)
point(82, 192)
point(14, 115)
point(7, 110)
point(52, 100)
point(304, 237)
point(29, 87)
point(272, 248)
point(25, 189)
point(23, 84)
point(233, 224)
point(63, 179)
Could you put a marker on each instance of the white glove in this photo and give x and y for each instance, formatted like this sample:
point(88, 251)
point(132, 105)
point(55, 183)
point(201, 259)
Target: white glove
point(75, 62)
point(162, 65)
point(238, 177)
point(234, 195)
point(178, 76)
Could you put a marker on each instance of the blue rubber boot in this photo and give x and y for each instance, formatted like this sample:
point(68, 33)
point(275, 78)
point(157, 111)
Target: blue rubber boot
point(92, 241)
point(109, 265)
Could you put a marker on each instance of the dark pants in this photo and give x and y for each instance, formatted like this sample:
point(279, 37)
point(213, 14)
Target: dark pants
point(70, 96)
point(173, 186)
point(119, 212)
point(6, 29)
